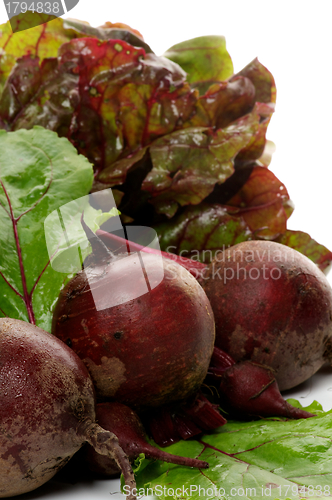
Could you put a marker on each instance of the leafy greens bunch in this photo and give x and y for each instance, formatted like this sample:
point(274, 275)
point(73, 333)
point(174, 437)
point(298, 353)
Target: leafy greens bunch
point(180, 139)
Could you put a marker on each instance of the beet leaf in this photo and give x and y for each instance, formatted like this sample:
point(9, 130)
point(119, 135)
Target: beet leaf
point(39, 172)
point(178, 137)
point(271, 458)
point(204, 59)
point(41, 41)
point(188, 163)
point(303, 243)
point(201, 231)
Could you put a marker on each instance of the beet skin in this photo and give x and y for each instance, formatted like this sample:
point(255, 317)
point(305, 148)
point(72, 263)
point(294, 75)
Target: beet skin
point(147, 351)
point(250, 390)
point(47, 409)
point(272, 305)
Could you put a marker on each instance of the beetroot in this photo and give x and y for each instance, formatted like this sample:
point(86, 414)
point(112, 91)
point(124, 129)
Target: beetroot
point(126, 425)
point(271, 305)
point(47, 409)
point(249, 389)
point(145, 351)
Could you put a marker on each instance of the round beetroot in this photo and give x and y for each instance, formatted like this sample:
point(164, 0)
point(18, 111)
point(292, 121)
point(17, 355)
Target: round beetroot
point(47, 409)
point(145, 351)
point(272, 305)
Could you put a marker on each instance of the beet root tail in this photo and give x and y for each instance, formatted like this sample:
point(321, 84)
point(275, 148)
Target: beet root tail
point(250, 389)
point(297, 412)
point(106, 443)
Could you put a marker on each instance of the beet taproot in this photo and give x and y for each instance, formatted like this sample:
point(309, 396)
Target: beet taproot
point(272, 305)
point(248, 389)
point(47, 410)
point(126, 425)
point(141, 349)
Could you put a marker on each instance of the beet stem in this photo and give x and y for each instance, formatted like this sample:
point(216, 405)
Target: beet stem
point(106, 443)
point(151, 452)
point(99, 249)
point(26, 296)
point(193, 266)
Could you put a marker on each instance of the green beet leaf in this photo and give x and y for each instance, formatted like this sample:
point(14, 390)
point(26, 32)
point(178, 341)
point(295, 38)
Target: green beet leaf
point(303, 243)
point(39, 172)
point(205, 59)
point(274, 459)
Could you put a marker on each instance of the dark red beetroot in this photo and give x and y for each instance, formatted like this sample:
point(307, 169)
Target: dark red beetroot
point(125, 423)
point(271, 305)
point(47, 409)
point(147, 351)
point(249, 389)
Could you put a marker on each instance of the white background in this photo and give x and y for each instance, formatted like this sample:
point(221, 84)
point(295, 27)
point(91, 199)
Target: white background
point(293, 39)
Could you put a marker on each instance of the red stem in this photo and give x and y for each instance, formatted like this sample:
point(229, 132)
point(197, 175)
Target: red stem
point(26, 295)
point(155, 453)
point(193, 266)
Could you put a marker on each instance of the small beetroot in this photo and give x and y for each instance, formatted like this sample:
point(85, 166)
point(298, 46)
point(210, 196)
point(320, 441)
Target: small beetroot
point(125, 423)
point(249, 389)
point(272, 305)
point(47, 410)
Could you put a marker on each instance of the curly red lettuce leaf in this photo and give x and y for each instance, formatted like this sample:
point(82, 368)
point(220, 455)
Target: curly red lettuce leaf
point(303, 243)
point(205, 60)
point(224, 102)
point(41, 41)
point(108, 31)
point(264, 203)
point(127, 99)
point(188, 163)
point(136, 117)
point(263, 81)
point(259, 209)
point(39, 94)
point(201, 231)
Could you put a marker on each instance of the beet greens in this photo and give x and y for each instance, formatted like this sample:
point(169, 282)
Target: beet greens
point(150, 157)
